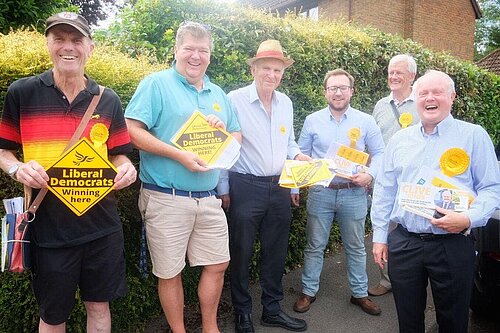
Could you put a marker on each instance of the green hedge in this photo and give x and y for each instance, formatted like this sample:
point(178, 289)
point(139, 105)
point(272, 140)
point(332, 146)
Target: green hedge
point(146, 34)
point(147, 29)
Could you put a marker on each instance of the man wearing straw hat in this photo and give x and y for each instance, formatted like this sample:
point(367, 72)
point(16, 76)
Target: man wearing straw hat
point(256, 203)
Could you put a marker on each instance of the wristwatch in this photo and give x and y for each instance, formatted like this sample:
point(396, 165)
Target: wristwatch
point(13, 170)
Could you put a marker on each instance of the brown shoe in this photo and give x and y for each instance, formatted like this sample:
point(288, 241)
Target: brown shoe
point(303, 303)
point(378, 290)
point(367, 305)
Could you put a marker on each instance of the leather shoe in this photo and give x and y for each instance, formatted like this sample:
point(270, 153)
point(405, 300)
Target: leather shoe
point(367, 305)
point(378, 290)
point(284, 321)
point(303, 303)
point(243, 323)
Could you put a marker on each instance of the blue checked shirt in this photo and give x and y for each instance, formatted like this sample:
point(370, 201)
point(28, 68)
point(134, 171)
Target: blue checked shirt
point(410, 149)
point(321, 129)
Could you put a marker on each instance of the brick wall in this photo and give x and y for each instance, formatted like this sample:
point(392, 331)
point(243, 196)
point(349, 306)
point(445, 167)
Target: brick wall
point(334, 9)
point(440, 25)
point(446, 25)
point(388, 16)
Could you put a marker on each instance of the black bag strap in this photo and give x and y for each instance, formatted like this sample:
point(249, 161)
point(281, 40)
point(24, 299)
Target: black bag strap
point(396, 112)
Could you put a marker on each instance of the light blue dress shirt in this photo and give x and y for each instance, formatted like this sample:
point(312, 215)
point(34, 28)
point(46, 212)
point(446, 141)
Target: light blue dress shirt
point(321, 129)
point(410, 149)
point(164, 101)
point(267, 140)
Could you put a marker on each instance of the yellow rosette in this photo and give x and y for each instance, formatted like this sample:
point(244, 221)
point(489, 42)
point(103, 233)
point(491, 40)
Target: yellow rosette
point(405, 119)
point(454, 162)
point(354, 134)
point(282, 129)
point(99, 135)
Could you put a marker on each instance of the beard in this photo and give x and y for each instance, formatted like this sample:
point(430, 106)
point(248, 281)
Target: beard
point(339, 106)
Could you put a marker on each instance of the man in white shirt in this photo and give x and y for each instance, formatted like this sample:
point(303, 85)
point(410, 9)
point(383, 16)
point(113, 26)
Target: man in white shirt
point(257, 204)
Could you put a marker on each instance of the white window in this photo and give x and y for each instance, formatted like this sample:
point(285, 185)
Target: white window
point(311, 13)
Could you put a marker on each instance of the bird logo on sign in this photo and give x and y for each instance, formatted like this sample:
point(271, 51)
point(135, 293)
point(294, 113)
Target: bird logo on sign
point(82, 159)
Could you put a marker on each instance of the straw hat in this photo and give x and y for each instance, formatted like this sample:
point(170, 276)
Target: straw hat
point(270, 49)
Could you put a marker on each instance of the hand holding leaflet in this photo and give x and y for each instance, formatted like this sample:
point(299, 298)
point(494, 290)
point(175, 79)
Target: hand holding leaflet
point(215, 146)
point(346, 161)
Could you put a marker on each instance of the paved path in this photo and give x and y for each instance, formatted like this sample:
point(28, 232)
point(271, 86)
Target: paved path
point(332, 311)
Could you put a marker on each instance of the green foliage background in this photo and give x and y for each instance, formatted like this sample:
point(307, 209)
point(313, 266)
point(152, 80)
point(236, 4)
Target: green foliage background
point(142, 42)
point(17, 14)
point(148, 30)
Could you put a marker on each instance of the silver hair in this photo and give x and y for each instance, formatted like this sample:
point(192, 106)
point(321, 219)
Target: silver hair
point(412, 65)
point(195, 29)
point(451, 84)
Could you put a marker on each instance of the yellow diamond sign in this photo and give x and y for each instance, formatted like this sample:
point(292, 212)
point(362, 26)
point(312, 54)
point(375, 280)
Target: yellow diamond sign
point(197, 136)
point(81, 177)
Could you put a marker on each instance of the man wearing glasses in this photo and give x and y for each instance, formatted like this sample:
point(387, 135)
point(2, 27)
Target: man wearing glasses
point(393, 112)
point(344, 199)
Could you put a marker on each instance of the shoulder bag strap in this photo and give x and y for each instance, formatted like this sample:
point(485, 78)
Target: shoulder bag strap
point(396, 112)
point(76, 136)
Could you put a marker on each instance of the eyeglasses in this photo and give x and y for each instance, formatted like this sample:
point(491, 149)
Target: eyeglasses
point(334, 89)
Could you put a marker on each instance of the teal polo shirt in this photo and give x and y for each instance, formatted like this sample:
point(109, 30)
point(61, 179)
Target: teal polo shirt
point(164, 101)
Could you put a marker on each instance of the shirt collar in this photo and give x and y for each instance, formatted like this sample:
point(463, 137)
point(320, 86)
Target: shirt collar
point(47, 79)
point(410, 97)
point(180, 77)
point(345, 115)
point(254, 96)
point(440, 128)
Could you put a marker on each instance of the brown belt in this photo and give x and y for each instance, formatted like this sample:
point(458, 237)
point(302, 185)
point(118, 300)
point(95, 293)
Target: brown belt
point(341, 186)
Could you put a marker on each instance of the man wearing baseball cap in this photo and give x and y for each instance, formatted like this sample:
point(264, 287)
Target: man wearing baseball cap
point(72, 19)
point(70, 253)
point(256, 202)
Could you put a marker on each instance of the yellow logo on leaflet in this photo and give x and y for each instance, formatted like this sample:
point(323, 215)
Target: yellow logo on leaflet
point(197, 136)
point(81, 177)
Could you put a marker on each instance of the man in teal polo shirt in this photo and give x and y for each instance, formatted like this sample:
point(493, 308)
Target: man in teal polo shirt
point(182, 215)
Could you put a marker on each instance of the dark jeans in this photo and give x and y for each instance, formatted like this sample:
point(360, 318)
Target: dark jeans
point(448, 263)
point(259, 207)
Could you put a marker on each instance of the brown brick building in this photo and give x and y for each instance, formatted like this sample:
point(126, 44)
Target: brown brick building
point(441, 25)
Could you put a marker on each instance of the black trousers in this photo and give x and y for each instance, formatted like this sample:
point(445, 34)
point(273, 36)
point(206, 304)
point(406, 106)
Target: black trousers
point(448, 263)
point(259, 208)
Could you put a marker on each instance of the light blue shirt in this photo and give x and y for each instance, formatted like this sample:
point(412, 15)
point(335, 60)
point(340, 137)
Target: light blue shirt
point(267, 139)
point(321, 129)
point(164, 101)
point(410, 149)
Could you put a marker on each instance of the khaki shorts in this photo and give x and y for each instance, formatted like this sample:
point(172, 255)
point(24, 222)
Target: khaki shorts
point(178, 226)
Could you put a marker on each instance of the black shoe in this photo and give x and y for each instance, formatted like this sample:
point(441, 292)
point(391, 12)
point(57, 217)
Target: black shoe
point(243, 323)
point(284, 321)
